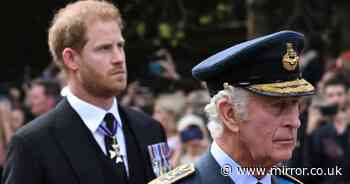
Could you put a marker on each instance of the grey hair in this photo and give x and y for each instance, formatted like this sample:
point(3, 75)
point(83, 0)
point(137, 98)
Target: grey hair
point(238, 97)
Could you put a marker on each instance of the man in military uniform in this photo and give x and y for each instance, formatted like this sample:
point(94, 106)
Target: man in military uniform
point(255, 89)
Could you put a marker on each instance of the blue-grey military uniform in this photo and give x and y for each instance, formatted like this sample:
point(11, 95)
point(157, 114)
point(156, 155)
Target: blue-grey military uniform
point(207, 170)
point(267, 66)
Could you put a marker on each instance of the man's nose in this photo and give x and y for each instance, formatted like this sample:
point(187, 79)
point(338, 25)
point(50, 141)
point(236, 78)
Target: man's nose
point(118, 55)
point(292, 118)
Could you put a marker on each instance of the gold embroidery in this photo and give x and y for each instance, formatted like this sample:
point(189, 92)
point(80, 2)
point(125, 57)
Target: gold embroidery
point(174, 175)
point(295, 86)
point(290, 59)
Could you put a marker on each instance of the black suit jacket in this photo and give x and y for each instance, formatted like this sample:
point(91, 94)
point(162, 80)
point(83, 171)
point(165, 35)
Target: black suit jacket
point(58, 148)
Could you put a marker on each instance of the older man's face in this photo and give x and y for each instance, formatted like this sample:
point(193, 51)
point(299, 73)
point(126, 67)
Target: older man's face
point(270, 132)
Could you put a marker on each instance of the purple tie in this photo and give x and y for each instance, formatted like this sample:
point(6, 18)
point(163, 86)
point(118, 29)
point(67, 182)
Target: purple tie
point(109, 129)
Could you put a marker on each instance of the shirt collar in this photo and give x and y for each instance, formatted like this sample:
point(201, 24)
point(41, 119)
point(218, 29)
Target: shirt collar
point(92, 115)
point(236, 173)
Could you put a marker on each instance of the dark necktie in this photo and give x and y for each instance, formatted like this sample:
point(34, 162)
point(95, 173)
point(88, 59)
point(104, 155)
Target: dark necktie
point(113, 150)
point(258, 182)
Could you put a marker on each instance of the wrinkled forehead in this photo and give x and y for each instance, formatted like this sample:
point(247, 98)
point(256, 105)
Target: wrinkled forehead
point(276, 99)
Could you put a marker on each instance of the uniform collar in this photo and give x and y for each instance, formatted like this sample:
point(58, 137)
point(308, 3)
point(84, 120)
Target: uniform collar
point(236, 173)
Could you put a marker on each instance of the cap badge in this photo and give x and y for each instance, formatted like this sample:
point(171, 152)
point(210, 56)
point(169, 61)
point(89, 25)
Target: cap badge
point(290, 59)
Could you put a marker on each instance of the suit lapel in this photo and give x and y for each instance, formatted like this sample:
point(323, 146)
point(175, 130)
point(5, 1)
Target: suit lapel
point(138, 131)
point(210, 171)
point(78, 144)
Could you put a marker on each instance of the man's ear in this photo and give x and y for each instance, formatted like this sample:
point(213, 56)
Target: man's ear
point(70, 59)
point(227, 115)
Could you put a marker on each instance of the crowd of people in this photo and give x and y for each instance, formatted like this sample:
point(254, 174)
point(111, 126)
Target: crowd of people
point(324, 134)
point(323, 138)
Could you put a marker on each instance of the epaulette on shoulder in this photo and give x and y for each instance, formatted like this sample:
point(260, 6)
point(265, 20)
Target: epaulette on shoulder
point(290, 178)
point(175, 174)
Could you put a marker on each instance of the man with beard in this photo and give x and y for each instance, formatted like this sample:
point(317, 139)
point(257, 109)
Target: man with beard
point(88, 138)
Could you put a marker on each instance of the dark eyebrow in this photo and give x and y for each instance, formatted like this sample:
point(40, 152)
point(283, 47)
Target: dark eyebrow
point(297, 99)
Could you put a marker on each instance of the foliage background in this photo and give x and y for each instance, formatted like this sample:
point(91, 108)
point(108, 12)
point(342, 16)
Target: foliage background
point(191, 29)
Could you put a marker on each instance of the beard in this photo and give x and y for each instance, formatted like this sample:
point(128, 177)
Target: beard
point(103, 87)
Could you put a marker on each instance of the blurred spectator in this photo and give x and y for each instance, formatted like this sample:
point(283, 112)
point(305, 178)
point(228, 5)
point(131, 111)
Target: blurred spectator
point(43, 96)
point(163, 76)
point(328, 147)
point(5, 111)
point(328, 130)
point(326, 77)
point(334, 96)
point(168, 108)
point(15, 96)
point(335, 92)
point(138, 97)
point(196, 101)
point(194, 138)
point(343, 61)
point(11, 118)
point(317, 113)
point(162, 65)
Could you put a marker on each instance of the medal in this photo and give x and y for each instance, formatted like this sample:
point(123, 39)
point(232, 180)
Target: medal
point(159, 154)
point(112, 154)
point(116, 150)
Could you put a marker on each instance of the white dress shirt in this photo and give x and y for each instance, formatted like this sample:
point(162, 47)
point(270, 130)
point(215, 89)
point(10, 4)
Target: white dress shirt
point(237, 177)
point(92, 117)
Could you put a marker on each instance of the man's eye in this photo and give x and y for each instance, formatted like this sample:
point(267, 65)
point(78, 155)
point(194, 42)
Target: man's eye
point(282, 105)
point(120, 45)
point(105, 47)
point(278, 108)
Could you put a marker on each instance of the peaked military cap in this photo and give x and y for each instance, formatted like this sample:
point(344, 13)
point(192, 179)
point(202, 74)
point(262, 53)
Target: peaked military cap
point(267, 65)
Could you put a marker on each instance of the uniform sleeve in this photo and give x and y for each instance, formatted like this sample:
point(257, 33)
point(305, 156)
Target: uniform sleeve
point(21, 166)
